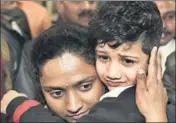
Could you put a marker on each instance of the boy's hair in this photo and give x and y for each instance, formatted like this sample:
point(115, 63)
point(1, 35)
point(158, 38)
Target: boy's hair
point(56, 41)
point(127, 21)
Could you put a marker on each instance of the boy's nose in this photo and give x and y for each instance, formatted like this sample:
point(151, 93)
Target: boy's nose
point(113, 72)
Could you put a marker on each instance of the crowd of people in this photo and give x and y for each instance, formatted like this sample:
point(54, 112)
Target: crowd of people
point(108, 62)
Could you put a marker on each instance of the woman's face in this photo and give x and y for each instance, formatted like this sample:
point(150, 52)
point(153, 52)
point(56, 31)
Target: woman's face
point(70, 86)
point(118, 67)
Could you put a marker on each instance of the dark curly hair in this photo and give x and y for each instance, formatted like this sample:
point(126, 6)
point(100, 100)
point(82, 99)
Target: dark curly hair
point(127, 21)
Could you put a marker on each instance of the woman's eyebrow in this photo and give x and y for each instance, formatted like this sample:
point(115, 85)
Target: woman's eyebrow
point(52, 87)
point(90, 78)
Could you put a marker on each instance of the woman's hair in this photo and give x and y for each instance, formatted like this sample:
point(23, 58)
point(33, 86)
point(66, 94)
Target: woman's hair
point(127, 21)
point(56, 41)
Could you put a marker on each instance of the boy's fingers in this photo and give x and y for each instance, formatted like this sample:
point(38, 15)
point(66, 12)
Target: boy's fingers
point(141, 81)
point(152, 68)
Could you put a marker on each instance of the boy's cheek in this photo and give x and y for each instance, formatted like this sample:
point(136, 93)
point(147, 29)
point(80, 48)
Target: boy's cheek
point(100, 70)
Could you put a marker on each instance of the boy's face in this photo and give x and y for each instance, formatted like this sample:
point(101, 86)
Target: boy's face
point(70, 86)
point(118, 67)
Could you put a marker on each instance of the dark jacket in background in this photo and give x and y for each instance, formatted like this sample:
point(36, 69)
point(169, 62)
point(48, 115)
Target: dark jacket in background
point(15, 31)
point(169, 77)
point(15, 44)
point(24, 83)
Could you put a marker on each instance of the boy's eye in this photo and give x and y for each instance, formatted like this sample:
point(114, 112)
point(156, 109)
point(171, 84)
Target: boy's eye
point(85, 87)
point(128, 62)
point(102, 58)
point(56, 93)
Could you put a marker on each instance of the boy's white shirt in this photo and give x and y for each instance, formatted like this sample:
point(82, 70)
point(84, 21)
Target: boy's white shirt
point(115, 92)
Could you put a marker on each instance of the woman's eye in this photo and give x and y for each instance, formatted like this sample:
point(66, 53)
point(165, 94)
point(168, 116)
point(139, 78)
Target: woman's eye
point(85, 87)
point(56, 93)
point(128, 62)
point(102, 58)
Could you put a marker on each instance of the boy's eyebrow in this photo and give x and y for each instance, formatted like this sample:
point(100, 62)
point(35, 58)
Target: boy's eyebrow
point(135, 57)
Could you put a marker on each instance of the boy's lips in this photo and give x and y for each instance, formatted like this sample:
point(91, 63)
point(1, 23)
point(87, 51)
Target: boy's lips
point(114, 84)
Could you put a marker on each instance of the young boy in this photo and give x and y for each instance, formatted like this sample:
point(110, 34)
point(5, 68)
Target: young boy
point(124, 34)
point(111, 34)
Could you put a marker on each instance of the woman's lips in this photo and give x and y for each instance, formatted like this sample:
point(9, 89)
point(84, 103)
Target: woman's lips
point(78, 116)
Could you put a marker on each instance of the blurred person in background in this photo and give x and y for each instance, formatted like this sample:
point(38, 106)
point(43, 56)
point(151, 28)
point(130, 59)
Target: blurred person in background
point(34, 18)
point(167, 11)
point(13, 18)
point(80, 12)
point(37, 16)
point(21, 21)
point(8, 5)
point(167, 48)
point(14, 32)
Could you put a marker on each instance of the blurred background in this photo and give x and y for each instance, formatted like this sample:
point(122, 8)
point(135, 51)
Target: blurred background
point(50, 5)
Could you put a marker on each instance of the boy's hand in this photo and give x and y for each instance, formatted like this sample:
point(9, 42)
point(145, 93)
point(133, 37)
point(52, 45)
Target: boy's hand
point(151, 96)
point(7, 98)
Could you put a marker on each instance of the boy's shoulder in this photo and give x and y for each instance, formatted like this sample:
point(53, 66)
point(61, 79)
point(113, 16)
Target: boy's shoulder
point(115, 92)
point(117, 109)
